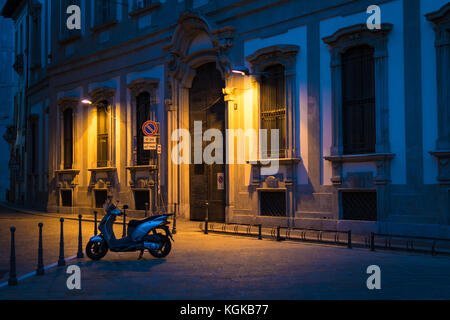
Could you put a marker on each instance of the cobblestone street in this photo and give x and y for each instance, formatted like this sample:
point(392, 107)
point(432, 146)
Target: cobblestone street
point(216, 267)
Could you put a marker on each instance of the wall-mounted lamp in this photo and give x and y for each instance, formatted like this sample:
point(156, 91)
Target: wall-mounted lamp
point(86, 101)
point(242, 70)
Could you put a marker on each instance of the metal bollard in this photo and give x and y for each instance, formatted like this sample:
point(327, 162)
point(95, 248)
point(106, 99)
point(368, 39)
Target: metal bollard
point(95, 222)
point(12, 281)
point(349, 244)
point(278, 234)
point(146, 209)
point(372, 241)
point(174, 227)
point(124, 231)
point(206, 218)
point(61, 261)
point(40, 265)
point(80, 239)
point(259, 232)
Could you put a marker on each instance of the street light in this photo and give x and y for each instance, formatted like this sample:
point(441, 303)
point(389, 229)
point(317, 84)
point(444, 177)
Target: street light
point(86, 101)
point(242, 70)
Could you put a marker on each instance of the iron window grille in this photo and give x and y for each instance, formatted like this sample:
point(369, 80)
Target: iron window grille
point(102, 134)
point(273, 108)
point(273, 203)
point(359, 205)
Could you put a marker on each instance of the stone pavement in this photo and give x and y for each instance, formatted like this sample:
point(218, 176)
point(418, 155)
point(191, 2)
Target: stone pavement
point(229, 267)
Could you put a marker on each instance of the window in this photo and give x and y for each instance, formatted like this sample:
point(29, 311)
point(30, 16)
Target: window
point(68, 138)
point(105, 11)
point(358, 100)
point(142, 115)
point(273, 106)
point(102, 134)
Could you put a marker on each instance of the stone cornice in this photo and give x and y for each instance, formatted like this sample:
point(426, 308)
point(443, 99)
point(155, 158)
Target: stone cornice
point(284, 51)
point(149, 85)
point(68, 102)
point(102, 93)
point(441, 16)
point(360, 157)
point(356, 32)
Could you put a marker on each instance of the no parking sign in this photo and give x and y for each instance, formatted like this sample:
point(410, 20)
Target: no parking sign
point(150, 128)
point(220, 181)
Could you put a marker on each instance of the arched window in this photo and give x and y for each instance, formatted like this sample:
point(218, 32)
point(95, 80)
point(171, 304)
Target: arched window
point(273, 105)
point(68, 138)
point(102, 134)
point(358, 100)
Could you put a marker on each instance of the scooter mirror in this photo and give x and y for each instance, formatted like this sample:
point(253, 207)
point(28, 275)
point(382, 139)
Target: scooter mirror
point(125, 207)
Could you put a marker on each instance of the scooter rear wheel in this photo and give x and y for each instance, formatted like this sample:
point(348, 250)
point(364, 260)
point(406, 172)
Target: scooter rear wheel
point(166, 246)
point(96, 249)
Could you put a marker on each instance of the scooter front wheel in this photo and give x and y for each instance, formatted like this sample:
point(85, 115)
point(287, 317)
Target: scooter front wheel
point(96, 249)
point(166, 246)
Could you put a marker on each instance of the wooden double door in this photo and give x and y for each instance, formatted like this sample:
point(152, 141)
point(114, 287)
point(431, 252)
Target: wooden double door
point(207, 181)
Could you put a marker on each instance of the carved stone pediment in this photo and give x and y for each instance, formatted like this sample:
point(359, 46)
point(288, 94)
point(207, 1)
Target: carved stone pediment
point(356, 33)
point(180, 62)
point(102, 178)
point(284, 54)
point(102, 93)
point(67, 178)
point(441, 16)
point(68, 103)
point(149, 85)
point(142, 177)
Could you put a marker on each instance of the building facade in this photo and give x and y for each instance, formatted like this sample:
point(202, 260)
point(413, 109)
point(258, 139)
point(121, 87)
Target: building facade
point(7, 83)
point(362, 114)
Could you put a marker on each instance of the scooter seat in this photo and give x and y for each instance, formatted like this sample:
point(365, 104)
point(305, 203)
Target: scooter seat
point(135, 223)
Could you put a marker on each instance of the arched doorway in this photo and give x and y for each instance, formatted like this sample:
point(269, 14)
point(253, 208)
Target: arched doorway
point(206, 104)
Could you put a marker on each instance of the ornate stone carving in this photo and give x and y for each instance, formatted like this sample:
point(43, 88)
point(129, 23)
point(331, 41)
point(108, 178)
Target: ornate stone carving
point(68, 102)
point(66, 179)
point(102, 93)
point(283, 54)
point(102, 178)
point(145, 85)
point(272, 182)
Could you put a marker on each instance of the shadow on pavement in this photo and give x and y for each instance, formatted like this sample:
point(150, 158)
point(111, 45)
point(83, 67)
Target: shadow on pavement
point(143, 265)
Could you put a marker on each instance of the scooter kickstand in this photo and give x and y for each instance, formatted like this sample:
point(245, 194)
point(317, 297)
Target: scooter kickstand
point(140, 255)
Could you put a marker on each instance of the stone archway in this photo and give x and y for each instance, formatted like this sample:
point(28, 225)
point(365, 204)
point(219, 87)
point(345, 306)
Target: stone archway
point(193, 44)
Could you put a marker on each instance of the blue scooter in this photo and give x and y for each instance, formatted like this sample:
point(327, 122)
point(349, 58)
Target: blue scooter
point(138, 236)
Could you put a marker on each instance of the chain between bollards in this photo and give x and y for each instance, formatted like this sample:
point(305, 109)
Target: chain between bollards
point(80, 239)
point(124, 231)
point(95, 222)
point(61, 261)
point(349, 242)
point(206, 217)
point(40, 265)
point(12, 281)
point(372, 241)
point(174, 226)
